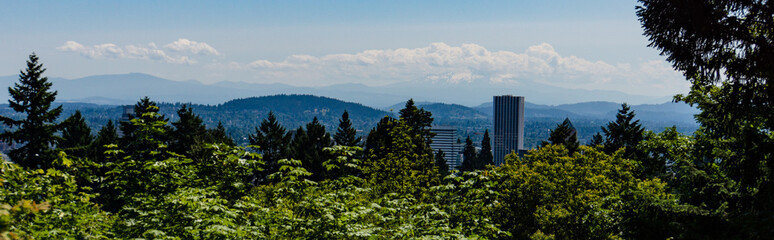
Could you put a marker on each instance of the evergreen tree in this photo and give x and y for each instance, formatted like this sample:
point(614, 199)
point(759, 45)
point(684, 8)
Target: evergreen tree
point(272, 142)
point(107, 135)
point(623, 132)
point(219, 135)
point(379, 137)
point(597, 140)
point(485, 155)
point(469, 160)
point(418, 119)
point(440, 163)
point(146, 131)
point(32, 96)
point(189, 132)
point(346, 135)
point(565, 134)
point(76, 136)
point(309, 146)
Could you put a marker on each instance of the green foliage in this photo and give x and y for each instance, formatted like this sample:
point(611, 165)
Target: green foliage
point(273, 142)
point(440, 163)
point(623, 132)
point(485, 155)
point(189, 133)
point(565, 134)
point(32, 97)
point(342, 162)
point(107, 135)
point(346, 135)
point(76, 136)
point(579, 196)
point(469, 157)
point(308, 147)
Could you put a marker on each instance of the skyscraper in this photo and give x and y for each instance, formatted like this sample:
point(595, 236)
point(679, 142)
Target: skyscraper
point(508, 126)
point(446, 139)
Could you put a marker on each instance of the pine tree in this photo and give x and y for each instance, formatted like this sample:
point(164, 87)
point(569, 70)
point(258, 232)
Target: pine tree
point(273, 143)
point(309, 148)
point(485, 155)
point(624, 132)
point(597, 140)
point(346, 135)
point(565, 134)
point(219, 135)
point(32, 96)
point(469, 160)
point(418, 119)
point(146, 131)
point(189, 132)
point(440, 163)
point(107, 135)
point(76, 136)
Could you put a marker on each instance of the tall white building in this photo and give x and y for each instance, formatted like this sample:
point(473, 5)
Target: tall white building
point(508, 126)
point(445, 139)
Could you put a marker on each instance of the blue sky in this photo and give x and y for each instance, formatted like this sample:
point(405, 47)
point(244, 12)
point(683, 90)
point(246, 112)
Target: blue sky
point(577, 44)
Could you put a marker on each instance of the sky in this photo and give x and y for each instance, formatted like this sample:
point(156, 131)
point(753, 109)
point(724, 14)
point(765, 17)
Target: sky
point(594, 44)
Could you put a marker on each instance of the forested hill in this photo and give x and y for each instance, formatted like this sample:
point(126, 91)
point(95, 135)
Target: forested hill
point(307, 104)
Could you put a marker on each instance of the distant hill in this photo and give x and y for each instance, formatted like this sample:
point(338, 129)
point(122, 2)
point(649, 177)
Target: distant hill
point(128, 88)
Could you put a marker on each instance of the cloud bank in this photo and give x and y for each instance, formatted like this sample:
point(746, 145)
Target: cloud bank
point(441, 63)
point(182, 47)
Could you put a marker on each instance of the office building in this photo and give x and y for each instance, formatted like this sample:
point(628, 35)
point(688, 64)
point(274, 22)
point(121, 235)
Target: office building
point(445, 139)
point(508, 126)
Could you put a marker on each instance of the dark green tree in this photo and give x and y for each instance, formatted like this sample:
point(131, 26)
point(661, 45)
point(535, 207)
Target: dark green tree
point(440, 163)
point(623, 132)
point(189, 132)
point(219, 135)
point(146, 131)
point(107, 135)
point(273, 142)
point(565, 134)
point(76, 136)
point(469, 159)
point(725, 49)
point(597, 140)
point(346, 135)
point(33, 97)
point(418, 119)
point(308, 147)
point(485, 155)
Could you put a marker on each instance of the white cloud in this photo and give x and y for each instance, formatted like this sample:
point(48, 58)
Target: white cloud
point(148, 52)
point(185, 45)
point(440, 62)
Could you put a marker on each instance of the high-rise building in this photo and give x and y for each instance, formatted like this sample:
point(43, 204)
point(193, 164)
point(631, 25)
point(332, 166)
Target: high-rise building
point(445, 139)
point(508, 126)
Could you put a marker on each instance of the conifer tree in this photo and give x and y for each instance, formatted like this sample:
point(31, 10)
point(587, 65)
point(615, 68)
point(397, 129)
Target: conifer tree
point(219, 135)
point(469, 160)
point(418, 119)
point(440, 163)
point(146, 131)
point(76, 136)
point(597, 140)
point(33, 97)
point(565, 134)
point(308, 147)
point(485, 155)
point(107, 135)
point(346, 135)
point(189, 131)
point(273, 143)
point(623, 132)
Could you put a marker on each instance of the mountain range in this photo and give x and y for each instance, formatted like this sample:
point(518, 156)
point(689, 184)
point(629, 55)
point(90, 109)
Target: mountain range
point(128, 88)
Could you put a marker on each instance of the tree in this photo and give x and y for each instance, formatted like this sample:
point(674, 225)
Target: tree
point(219, 135)
point(469, 160)
point(418, 119)
point(623, 132)
point(308, 147)
point(485, 155)
point(107, 135)
point(597, 140)
point(146, 131)
point(565, 134)
point(440, 163)
point(32, 96)
point(346, 135)
point(188, 133)
point(724, 48)
point(272, 142)
point(76, 136)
